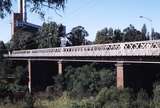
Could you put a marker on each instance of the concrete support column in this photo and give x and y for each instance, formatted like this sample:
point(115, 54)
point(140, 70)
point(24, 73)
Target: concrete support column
point(120, 75)
point(29, 76)
point(60, 67)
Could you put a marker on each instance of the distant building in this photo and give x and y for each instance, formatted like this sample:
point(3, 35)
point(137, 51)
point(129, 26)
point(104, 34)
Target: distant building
point(19, 21)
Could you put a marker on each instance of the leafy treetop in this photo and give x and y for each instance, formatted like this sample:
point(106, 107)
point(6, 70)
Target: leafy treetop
point(35, 6)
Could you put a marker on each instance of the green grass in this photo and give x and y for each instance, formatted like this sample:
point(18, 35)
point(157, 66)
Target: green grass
point(61, 102)
point(9, 105)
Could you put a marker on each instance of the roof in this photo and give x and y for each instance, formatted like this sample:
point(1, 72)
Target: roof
point(28, 26)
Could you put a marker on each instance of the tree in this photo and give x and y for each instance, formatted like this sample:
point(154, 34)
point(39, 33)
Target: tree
point(104, 36)
point(2, 49)
point(152, 33)
point(155, 35)
point(110, 31)
point(47, 36)
point(50, 34)
point(4, 65)
point(147, 36)
point(21, 75)
point(35, 6)
point(142, 100)
point(144, 29)
point(113, 98)
point(87, 80)
point(132, 34)
point(2, 46)
point(118, 36)
point(77, 36)
point(100, 39)
point(23, 40)
point(156, 92)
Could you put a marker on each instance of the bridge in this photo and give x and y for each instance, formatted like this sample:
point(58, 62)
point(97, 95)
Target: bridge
point(118, 53)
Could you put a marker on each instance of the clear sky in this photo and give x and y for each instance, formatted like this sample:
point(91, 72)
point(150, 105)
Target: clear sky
point(94, 15)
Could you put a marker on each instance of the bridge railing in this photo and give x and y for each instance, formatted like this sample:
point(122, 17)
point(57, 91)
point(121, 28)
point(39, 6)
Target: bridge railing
point(140, 48)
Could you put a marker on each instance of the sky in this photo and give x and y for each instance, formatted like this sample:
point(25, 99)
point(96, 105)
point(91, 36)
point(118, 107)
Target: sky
point(95, 15)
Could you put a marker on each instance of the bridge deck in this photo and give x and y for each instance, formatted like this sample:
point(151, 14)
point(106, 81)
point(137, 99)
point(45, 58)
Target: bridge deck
point(140, 48)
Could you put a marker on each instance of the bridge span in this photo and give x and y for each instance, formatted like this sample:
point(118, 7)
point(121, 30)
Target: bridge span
point(140, 48)
point(118, 53)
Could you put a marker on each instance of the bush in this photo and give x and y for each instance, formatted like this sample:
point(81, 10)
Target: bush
point(87, 80)
point(29, 101)
point(156, 98)
point(85, 103)
point(5, 92)
point(142, 100)
point(113, 98)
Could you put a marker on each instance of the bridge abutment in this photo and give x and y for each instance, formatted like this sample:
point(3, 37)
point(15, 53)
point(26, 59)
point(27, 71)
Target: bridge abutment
point(120, 75)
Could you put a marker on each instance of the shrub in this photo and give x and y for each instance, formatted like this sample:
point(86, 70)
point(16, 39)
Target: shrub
point(142, 100)
point(113, 98)
point(87, 80)
point(29, 101)
point(156, 98)
point(5, 92)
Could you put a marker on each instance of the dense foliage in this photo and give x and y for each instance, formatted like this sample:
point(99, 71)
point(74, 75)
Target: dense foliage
point(87, 80)
point(77, 36)
point(23, 40)
point(50, 35)
point(35, 6)
point(2, 49)
point(127, 35)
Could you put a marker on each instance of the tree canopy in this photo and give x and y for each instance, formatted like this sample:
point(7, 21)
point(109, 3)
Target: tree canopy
point(104, 36)
point(87, 80)
point(35, 5)
point(2, 48)
point(77, 36)
point(128, 34)
point(23, 40)
point(49, 35)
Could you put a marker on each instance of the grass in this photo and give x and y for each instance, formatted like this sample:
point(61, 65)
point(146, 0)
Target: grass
point(9, 105)
point(61, 102)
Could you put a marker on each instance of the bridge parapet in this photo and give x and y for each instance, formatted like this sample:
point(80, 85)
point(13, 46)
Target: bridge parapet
point(140, 48)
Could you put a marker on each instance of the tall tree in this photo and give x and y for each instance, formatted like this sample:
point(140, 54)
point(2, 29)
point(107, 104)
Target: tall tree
point(144, 31)
point(155, 35)
point(118, 36)
point(110, 32)
point(132, 34)
point(104, 36)
point(2, 48)
point(4, 69)
point(23, 40)
point(147, 36)
point(49, 35)
point(152, 33)
point(35, 5)
point(77, 36)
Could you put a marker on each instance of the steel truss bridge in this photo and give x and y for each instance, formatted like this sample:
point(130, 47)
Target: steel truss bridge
point(131, 52)
point(117, 53)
